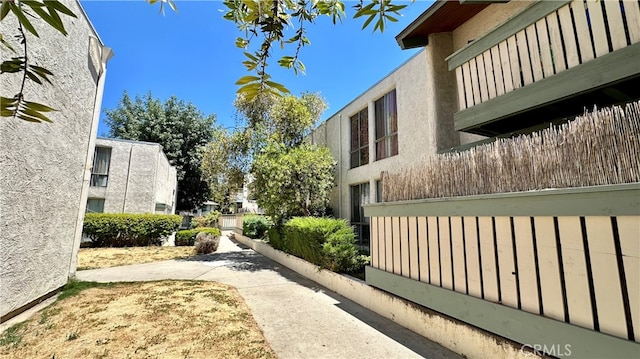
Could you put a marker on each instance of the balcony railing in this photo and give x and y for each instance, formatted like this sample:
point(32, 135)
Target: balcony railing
point(548, 38)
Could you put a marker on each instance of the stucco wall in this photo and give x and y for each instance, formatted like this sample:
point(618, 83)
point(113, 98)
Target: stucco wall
point(166, 184)
point(486, 20)
point(420, 114)
point(139, 176)
point(42, 166)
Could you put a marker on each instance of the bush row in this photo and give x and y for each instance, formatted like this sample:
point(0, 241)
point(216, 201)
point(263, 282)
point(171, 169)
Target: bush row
point(128, 230)
point(187, 237)
point(209, 220)
point(326, 242)
point(254, 226)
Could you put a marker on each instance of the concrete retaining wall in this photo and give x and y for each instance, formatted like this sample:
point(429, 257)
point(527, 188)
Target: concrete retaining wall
point(454, 335)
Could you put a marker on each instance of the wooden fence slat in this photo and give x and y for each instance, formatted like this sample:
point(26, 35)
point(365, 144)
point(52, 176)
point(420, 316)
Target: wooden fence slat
point(461, 91)
point(559, 62)
point(489, 268)
point(534, 53)
point(414, 261)
point(445, 253)
point(434, 261)
point(606, 281)
point(567, 28)
point(468, 86)
point(488, 70)
point(525, 59)
point(629, 231)
point(404, 246)
point(423, 246)
point(388, 245)
point(457, 240)
point(527, 277)
point(545, 47)
point(497, 70)
point(514, 62)
point(505, 261)
point(482, 78)
point(473, 257)
point(506, 66)
point(550, 280)
point(575, 272)
point(374, 242)
point(582, 30)
point(632, 15)
point(474, 81)
point(396, 258)
point(615, 24)
point(596, 20)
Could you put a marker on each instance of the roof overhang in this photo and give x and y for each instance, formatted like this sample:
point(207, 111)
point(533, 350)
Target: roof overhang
point(441, 16)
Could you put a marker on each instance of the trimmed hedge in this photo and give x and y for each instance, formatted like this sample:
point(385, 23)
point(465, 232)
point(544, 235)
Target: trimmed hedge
point(128, 230)
point(210, 220)
point(326, 242)
point(188, 237)
point(255, 226)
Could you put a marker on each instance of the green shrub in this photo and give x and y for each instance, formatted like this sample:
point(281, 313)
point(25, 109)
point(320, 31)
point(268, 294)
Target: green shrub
point(276, 237)
point(326, 242)
point(187, 237)
point(254, 226)
point(210, 220)
point(128, 230)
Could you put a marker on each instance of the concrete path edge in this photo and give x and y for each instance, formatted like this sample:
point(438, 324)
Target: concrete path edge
point(456, 336)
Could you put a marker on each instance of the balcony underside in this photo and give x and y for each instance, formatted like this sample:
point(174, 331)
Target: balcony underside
point(611, 79)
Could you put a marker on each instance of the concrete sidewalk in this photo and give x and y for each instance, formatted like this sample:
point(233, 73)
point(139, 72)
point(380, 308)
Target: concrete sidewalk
point(299, 318)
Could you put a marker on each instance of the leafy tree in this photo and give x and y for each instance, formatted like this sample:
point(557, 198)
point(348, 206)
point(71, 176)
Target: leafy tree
point(292, 182)
point(179, 127)
point(224, 166)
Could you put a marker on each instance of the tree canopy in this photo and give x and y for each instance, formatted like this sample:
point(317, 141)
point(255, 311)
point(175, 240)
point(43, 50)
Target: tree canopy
point(179, 127)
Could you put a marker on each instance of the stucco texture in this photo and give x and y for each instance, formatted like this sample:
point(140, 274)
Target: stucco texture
point(42, 166)
point(425, 94)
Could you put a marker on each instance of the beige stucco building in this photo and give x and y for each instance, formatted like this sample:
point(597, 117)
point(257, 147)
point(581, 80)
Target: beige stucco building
point(131, 177)
point(403, 117)
point(45, 167)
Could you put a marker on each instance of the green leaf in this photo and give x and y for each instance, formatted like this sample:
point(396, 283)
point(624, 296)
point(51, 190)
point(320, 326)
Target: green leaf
point(36, 114)
point(23, 19)
point(40, 70)
point(6, 113)
point(38, 106)
point(33, 77)
point(60, 7)
point(4, 9)
point(369, 19)
point(55, 22)
point(28, 119)
point(366, 10)
point(390, 18)
point(247, 79)
point(277, 86)
point(241, 43)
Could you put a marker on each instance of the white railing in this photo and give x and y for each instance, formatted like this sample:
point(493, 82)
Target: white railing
point(567, 37)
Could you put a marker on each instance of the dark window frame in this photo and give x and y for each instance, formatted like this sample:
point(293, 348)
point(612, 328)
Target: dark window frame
point(358, 220)
point(100, 178)
point(386, 120)
point(359, 124)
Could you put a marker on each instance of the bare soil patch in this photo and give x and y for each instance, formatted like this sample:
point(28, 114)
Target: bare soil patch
point(94, 258)
point(164, 319)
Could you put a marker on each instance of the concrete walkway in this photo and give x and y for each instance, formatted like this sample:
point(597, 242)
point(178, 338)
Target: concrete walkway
point(299, 318)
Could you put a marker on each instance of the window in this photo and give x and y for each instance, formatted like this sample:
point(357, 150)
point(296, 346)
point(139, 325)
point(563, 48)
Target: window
point(386, 126)
point(359, 197)
point(378, 191)
point(100, 169)
point(360, 138)
point(95, 205)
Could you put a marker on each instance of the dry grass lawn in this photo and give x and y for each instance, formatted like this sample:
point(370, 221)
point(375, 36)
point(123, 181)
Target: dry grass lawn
point(165, 319)
point(93, 258)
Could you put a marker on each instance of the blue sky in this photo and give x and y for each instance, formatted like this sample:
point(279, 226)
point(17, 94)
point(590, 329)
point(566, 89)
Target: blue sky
point(191, 54)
